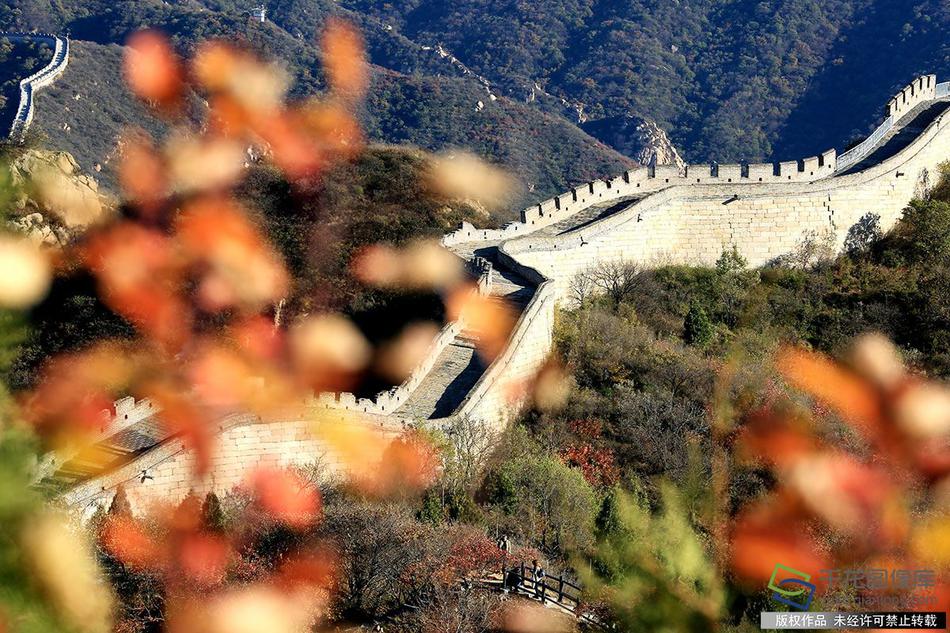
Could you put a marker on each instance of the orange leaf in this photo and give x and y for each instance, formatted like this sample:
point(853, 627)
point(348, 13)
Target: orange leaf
point(344, 59)
point(314, 569)
point(203, 558)
point(181, 417)
point(853, 398)
point(764, 537)
point(125, 539)
point(153, 70)
point(296, 154)
point(489, 319)
point(244, 268)
point(138, 276)
point(142, 173)
point(286, 497)
point(77, 392)
point(409, 464)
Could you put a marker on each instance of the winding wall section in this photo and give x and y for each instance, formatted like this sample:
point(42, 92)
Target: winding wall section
point(38, 80)
point(652, 214)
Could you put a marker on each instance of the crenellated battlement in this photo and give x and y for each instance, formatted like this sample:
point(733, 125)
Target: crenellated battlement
point(128, 412)
point(655, 213)
point(646, 180)
point(650, 179)
point(386, 402)
point(920, 90)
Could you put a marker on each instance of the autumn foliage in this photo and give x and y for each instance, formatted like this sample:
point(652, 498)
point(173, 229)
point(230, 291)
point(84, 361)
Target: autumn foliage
point(188, 266)
point(882, 508)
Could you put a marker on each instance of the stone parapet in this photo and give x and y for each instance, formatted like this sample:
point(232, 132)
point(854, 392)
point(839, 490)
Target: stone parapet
point(676, 215)
point(38, 80)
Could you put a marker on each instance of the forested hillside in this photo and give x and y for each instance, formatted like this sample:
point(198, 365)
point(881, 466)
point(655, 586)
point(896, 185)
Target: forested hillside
point(724, 85)
point(515, 80)
point(434, 112)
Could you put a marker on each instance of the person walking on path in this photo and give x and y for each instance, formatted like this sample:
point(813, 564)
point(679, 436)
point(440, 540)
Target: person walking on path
point(539, 581)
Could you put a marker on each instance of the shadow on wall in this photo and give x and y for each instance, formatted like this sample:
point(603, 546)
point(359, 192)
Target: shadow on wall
point(842, 102)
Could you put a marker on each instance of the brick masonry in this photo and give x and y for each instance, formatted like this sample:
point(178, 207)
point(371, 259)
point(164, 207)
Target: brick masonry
point(244, 443)
point(688, 215)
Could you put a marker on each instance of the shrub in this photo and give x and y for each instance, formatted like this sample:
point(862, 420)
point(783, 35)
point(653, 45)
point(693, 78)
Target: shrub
point(212, 514)
point(551, 503)
point(697, 328)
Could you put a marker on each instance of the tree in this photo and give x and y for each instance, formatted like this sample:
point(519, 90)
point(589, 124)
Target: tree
point(616, 279)
point(582, 288)
point(471, 445)
point(432, 511)
point(608, 519)
point(941, 190)
point(554, 505)
point(924, 231)
point(814, 248)
point(212, 514)
point(664, 582)
point(731, 261)
point(697, 328)
point(377, 547)
point(120, 505)
point(863, 235)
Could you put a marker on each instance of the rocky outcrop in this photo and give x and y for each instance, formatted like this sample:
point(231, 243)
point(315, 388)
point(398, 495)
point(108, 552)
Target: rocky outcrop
point(41, 230)
point(636, 137)
point(54, 199)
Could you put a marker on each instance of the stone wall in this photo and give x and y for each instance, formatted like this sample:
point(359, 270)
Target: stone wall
point(691, 216)
point(918, 91)
point(38, 80)
point(126, 413)
point(499, 394)
point(695, 223)
point(646, 180)
point(387, 402)
point(164, 475)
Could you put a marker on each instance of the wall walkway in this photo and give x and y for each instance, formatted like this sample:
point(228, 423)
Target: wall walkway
point(38, 80)
point(648, 215)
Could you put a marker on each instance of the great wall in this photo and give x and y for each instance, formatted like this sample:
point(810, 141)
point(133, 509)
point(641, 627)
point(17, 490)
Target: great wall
point(647, 215)
point(38, 80)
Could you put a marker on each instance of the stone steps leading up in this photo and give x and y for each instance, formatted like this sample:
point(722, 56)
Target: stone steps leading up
point(459, 366)
point(454, 374)
point(905, 131)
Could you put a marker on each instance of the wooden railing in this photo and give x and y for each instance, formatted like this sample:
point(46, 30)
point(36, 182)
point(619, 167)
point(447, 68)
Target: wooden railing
point(557, 589)
point(552, 591)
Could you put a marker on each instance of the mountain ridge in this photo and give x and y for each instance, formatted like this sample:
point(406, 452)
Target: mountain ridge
point(741, 80)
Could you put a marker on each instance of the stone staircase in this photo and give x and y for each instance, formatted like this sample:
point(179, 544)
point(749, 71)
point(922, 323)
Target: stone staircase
point(904, 132)
point(456, 371)
point(459, 366)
